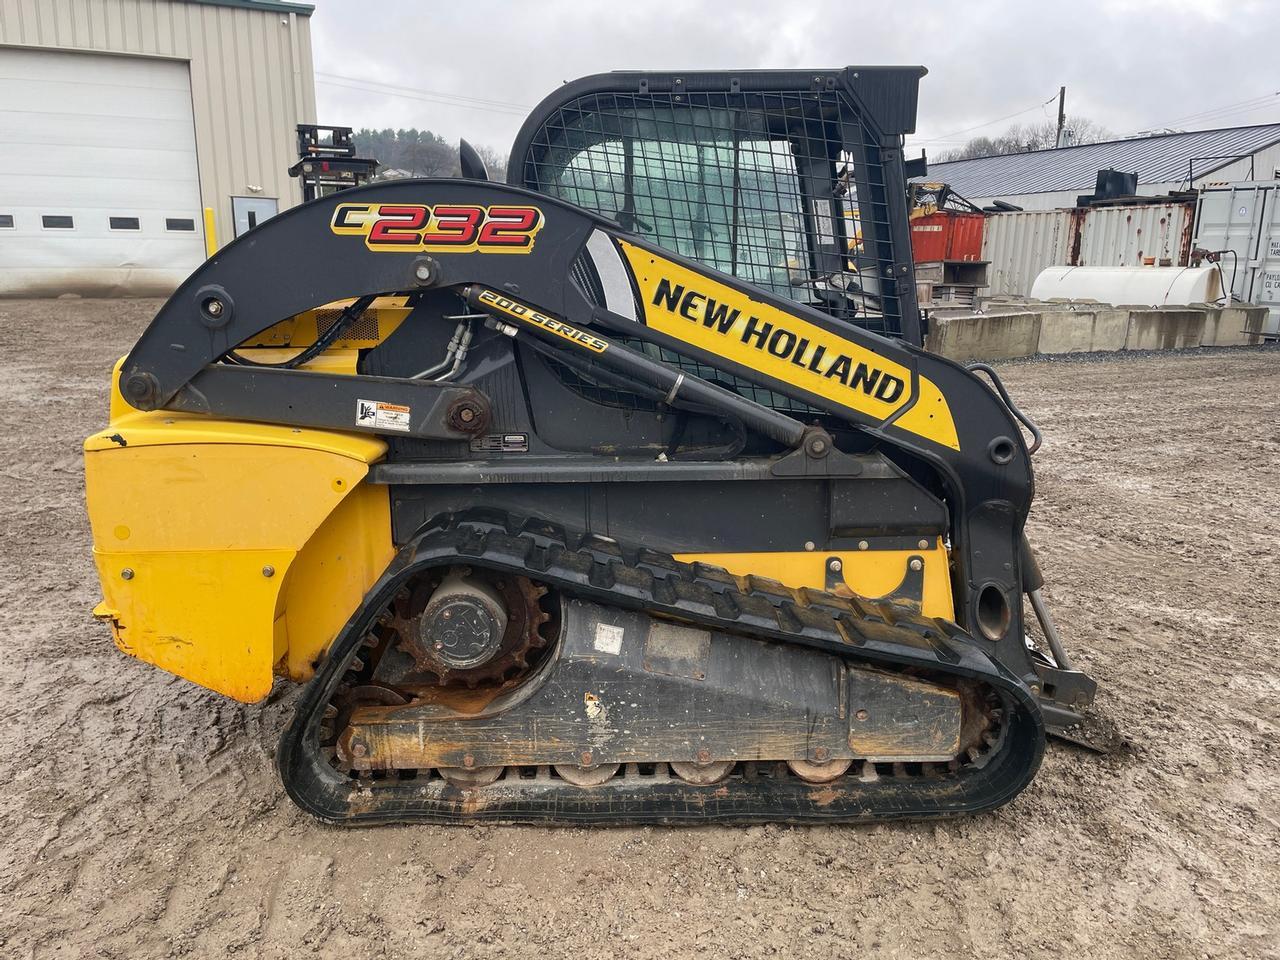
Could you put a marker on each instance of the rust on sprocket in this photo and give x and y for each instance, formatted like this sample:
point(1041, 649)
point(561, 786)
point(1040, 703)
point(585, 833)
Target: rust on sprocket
point(523, 600)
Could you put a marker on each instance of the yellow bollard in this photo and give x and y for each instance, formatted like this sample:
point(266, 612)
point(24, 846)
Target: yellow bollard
point(210, 234)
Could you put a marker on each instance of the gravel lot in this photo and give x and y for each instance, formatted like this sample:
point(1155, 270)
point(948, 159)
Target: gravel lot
point(142, 817)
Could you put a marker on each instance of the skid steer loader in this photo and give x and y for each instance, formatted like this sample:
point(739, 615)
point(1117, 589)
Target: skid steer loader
point(620, 492)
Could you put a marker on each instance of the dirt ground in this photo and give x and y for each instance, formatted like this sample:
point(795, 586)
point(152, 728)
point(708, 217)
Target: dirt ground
point(142, 816)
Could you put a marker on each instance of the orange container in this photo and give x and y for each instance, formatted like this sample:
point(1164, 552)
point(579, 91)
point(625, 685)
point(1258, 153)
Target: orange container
point(947, 235)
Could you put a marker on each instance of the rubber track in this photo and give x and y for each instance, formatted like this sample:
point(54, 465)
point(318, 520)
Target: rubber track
point(602, 571)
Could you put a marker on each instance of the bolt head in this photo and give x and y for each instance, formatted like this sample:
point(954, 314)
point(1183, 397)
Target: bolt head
point(466, 415)
point(141, 387)
point(810, 545)
point(923, 544)
point(862, 715)
point(268, 571)
point(425, 271)
point(586, 758)
point(469, 760)
point(213, 306)
point(916, 564)
point(126, 573)
point(821, 754)
point(704, 756)
point(359, 748)
point(863, 545)
point(835, 564)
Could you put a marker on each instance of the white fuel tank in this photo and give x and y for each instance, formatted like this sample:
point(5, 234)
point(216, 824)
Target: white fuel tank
point(1150, 286)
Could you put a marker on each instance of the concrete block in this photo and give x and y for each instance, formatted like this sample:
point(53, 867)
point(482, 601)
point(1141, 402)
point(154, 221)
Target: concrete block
point(1165, 328)
point(1234, 326)
point(1084, 331)
point(1255, 322)
point(1111, 328)
point(1000, 337)
point(1064, 331)
point(1222, 328)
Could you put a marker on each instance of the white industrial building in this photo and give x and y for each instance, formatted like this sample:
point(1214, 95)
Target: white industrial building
point(137, 135)
point(1166, 163)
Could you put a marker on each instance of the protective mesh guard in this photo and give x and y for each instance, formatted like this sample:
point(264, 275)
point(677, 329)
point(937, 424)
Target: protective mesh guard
point(762, 186)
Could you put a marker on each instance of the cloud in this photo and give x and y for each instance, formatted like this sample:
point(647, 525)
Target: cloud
point(1128, 65)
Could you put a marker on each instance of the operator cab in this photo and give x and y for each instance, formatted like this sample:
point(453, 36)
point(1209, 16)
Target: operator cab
point(784, 180)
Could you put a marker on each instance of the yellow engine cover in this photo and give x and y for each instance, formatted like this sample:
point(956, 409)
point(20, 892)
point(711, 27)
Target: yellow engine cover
point(231, 551)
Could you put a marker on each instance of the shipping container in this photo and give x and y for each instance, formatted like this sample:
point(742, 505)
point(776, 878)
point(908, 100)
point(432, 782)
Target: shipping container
point(947, 235)
point(1135, 235)
point(1244, 219)
point(1019, 244)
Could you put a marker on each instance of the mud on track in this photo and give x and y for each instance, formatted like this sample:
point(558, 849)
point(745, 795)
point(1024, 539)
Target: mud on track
point(142, 817)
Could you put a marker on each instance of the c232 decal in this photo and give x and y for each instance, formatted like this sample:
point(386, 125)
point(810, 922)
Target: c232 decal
point(442, 228)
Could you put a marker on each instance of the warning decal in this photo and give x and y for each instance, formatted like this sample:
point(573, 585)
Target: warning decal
point(378, 415)
point(608, 638)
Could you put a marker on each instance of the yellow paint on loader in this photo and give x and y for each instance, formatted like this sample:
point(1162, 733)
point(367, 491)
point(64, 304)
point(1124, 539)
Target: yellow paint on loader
point(868, 573)
point(716, 318)
point(231, 551)
point(376, 324)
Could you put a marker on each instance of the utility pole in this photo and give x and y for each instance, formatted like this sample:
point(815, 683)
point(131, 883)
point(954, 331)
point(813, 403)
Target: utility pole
point(1062, 115)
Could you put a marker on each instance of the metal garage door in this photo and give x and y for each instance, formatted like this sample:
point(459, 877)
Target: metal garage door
point(99, 193)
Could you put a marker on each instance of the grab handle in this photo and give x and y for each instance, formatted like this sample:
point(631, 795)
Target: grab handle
point(1037, 437)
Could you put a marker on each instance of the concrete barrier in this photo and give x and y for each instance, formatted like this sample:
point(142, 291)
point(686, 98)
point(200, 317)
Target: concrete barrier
point(1083, 331)
point(1088, 327)
point(1165, 328)
point(995, 337)
point(1234, 326)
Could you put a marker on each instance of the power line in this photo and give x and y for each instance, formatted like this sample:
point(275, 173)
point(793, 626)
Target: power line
point(1234, 116)
point(949, 137)
point(1226, 110)
point(414, 93)
point(1233, 107)
point(425, 98)
point(409, 89)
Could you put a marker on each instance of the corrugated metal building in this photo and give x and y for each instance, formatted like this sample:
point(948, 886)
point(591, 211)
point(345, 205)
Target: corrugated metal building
point(1049, 179)
point(122, 120)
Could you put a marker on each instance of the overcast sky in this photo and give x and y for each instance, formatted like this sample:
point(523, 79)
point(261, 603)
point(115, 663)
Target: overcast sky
point(1127, 65)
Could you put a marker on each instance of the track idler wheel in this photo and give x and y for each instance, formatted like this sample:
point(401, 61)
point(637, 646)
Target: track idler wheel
point(592, 776)
point(471, 777)
point(702, 774)
point(826, 772)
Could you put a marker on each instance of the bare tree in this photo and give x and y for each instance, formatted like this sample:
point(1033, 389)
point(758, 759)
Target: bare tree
point(495, 161)
point(421, 153)
point(1021, 138)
